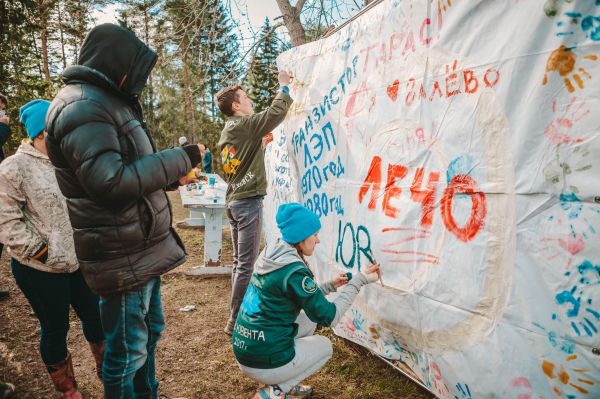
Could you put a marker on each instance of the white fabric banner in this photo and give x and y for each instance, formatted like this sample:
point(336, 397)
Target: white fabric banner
point(457, 141)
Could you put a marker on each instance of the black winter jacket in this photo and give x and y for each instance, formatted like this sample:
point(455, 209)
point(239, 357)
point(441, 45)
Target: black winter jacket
point(108, 168)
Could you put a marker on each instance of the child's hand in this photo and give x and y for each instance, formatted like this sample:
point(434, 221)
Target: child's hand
point(285, 78)
point(185, 180)
point(372, 273)
point(340, 280)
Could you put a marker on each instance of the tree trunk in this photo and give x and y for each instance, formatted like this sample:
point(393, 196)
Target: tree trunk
point(187, 90)
point(81, 16)
point(150, 94)
point(44, 38)
point(37, 54)
point(62, 37)
point(291, 19)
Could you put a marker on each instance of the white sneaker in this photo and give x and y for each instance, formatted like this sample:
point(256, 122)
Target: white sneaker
point(300, 392)
point(270, 392)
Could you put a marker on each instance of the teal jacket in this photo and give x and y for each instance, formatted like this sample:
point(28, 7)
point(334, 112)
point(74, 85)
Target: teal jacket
point(281, 286)
point(4, 135)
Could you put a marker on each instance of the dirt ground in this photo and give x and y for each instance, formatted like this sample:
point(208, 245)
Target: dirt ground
point(194, 356)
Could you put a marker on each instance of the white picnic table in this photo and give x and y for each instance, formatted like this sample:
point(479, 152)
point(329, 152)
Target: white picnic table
point(206, 209)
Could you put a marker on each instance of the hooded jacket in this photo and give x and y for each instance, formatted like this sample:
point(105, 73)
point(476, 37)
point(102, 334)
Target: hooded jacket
point(33, 212)
point(281, 286)
point(108, 168)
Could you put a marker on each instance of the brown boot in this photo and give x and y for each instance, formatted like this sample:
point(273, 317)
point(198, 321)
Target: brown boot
point(63, 378)
point(98, 352)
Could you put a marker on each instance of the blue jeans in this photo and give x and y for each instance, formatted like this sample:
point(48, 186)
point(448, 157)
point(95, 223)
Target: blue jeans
point(245, 218)
point(133, 322)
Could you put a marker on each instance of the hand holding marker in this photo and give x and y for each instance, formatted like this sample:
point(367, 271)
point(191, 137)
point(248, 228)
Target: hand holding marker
point(374, 262)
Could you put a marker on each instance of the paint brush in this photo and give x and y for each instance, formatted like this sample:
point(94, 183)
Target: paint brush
point(378, 271)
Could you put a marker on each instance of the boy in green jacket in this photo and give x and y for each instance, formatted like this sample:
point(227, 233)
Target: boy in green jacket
point(273, 341)
point(243, 161)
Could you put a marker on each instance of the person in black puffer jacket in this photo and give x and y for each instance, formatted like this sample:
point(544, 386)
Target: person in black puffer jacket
point(114, 182)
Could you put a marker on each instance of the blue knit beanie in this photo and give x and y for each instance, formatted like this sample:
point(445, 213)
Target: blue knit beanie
point(33, 116)
point(296, 222)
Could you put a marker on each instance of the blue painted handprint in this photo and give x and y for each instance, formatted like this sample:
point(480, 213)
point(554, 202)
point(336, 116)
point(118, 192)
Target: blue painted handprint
point(578, 300)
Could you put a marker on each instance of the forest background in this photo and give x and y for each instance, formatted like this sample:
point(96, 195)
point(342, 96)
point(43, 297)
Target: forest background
point(201, 49)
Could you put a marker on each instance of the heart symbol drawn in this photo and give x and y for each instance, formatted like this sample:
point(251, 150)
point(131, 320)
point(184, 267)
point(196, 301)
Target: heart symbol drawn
point(392, 90)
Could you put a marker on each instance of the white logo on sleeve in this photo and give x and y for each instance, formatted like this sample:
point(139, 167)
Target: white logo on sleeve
point(308, 285)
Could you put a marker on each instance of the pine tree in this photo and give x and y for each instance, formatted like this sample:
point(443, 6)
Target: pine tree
point(262, 78)
point(220, 56)
point(140, 17)
point(21, 74)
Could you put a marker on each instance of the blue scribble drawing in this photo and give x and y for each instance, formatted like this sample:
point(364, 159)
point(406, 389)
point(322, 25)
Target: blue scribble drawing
point(346, 44)
point(578, 301)
point(565, 343)
point(461, 165)
point(465, 392)
point(251, 302)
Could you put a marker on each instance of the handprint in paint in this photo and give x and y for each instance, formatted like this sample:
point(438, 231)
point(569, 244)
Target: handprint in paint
point(463, 391)
point(438, 382)
point(590, 25)
point(562, 128)
point(573, 229)
point(562, 61)
point(567, 378)
point(577, 302)
point(566, 133)
point(565, 343)
point(355, 323)
point(570, 246)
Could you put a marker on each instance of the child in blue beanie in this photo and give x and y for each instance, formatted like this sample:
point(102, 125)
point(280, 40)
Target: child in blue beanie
point(273, 339)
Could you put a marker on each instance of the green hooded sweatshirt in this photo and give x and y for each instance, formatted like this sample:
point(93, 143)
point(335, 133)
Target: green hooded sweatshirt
point(242, 154)
point(281, 286)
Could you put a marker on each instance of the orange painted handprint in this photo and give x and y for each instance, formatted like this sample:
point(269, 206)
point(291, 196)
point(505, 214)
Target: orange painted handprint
point(563, 60)
point(569, 377)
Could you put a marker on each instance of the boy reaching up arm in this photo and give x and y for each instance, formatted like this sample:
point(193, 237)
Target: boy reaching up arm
point(243, 161)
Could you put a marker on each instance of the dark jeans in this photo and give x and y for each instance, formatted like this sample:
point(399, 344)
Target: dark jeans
point(50, 295)
point(133, 322)
point(245, 217)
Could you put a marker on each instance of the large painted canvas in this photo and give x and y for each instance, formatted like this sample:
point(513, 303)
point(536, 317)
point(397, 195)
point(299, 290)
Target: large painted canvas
point(458, 142)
